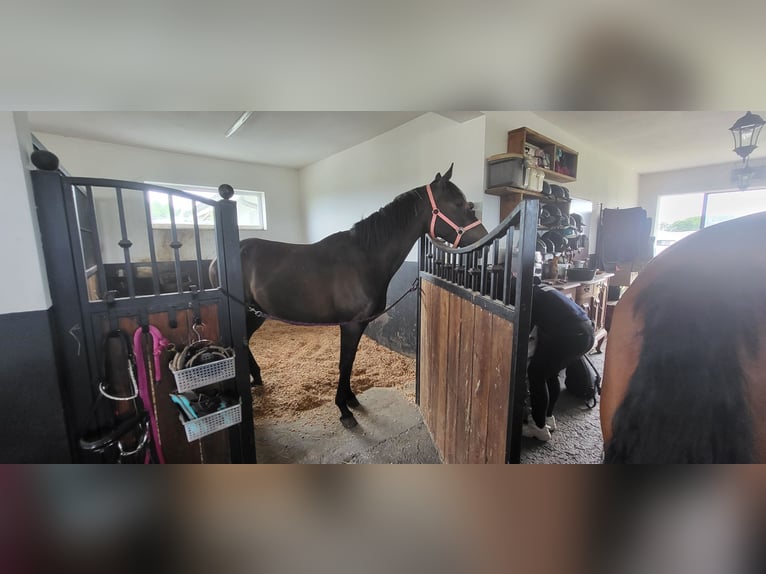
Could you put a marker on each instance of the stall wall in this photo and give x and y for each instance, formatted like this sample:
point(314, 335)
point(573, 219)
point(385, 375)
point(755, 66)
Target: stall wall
point(32, 426)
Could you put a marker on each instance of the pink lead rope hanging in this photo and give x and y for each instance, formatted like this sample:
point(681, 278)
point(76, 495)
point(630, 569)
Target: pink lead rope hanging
point(159, 342)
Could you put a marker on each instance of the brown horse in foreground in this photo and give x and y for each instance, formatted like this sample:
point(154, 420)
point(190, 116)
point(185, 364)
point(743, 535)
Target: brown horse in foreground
point(685, 371)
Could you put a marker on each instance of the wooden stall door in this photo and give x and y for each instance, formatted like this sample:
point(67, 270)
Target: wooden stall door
point(465, 366)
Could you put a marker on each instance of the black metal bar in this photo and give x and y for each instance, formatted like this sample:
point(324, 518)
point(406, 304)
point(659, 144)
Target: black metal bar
point(100, 271)
point(156, 304)
point(241, 437)
point(72, 347)
point(125, 243)
point(491, 305)
point(200, 280)
point(422, 263)
point(175, 245)
point(101, 182)
point(152, 250)
point(507, 274)
point(521, 327)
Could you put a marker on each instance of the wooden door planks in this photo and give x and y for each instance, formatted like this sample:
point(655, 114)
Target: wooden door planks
point(465, 354)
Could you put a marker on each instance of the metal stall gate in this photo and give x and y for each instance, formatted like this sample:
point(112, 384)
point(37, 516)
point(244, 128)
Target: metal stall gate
point(472, 340)
point(111, 265)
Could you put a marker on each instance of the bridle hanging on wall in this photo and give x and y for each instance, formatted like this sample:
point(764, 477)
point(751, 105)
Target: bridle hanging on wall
point(112, 439)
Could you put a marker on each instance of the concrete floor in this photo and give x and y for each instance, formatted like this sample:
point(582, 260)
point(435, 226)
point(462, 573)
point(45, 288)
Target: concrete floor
point(391, 430)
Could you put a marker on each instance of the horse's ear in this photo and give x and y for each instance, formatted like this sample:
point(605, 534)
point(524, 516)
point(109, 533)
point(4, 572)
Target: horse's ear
point(448, 173)
point(437, 177)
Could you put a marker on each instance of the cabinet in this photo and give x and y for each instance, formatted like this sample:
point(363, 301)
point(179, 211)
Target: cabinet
point(592, 296)
point(558, 162)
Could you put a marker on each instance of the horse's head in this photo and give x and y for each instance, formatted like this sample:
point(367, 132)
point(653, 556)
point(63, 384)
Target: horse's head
point(453, 218)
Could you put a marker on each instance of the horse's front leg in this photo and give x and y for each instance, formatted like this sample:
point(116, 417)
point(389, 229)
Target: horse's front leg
point(252, 324)
point(350, 334)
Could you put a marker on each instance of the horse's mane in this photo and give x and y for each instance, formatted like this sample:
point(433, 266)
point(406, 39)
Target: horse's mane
point(687, 399)
point(377, 229)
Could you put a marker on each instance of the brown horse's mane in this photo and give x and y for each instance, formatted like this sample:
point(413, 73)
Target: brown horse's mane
point(376, 230)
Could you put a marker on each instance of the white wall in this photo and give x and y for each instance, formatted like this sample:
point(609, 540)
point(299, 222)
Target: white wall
point(24, 284)
point(692, 180)
point(600, 178)
point(340, 190)
point(97, 159)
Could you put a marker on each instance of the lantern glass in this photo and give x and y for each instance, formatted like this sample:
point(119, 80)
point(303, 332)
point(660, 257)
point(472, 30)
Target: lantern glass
point(745, 132)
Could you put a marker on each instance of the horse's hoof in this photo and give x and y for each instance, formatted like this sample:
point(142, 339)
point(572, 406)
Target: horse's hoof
point(348, 422)
point(256, 382)
point(352, 402)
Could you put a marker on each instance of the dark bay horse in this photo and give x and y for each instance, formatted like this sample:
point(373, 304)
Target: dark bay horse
point(343, 278)
point(685, 372)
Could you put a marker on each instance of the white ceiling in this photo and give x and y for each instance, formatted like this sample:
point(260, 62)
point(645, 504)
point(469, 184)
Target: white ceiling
point(656, 141)
point(643, 141)
point(287, 139)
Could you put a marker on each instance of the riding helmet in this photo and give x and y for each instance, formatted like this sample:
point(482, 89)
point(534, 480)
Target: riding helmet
point(557, 191)
point(559, 242)
point(568, 232)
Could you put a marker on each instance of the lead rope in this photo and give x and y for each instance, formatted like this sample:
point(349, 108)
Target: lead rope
point(158, 343)
point(261, 315)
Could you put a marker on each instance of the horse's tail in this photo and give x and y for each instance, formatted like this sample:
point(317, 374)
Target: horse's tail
point(687, 399)
point(212, 273)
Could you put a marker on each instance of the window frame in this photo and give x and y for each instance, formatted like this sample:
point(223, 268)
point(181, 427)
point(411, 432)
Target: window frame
point(209, 193)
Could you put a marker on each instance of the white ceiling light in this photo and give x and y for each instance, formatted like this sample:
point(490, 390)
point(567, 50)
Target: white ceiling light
point(238, 124)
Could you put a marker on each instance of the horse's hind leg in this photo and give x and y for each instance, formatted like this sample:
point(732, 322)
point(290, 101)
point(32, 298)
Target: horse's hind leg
point(350, 334)
point(253, 323)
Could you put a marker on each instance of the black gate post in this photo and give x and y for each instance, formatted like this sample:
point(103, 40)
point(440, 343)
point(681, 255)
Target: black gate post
point(241, 437)
point(522, 318)
point(70, 334)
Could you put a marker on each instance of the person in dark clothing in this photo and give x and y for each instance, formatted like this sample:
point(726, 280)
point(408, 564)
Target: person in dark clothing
point(564, 332)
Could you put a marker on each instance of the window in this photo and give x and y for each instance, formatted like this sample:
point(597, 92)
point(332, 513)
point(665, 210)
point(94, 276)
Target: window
point(251, 207)
point(682, 215)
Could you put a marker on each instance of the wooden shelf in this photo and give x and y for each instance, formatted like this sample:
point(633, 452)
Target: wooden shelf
point(520, 138)
point(507, 191)
point(556, 176)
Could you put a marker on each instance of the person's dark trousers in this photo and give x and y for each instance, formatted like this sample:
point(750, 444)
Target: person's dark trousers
point(555, 350)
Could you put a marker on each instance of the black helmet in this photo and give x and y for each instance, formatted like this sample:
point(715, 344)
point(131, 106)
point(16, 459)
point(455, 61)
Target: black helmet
point(540, 246)
point(549, 246)
point(577, 220)
point(559, 242)
point(566, 193)
point(557, 191)
point(549, 215)
point(547, 189)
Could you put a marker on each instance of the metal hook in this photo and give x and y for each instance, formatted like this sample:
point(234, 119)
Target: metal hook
point(194, 328)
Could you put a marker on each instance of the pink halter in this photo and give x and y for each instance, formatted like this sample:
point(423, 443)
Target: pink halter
point(159, 342)
point(438, 214)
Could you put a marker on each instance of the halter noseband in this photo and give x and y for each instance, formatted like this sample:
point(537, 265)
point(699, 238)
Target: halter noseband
point(438, 214)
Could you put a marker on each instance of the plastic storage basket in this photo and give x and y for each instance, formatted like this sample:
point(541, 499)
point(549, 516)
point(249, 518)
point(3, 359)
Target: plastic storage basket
point(201, 375)
point(219, 420)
